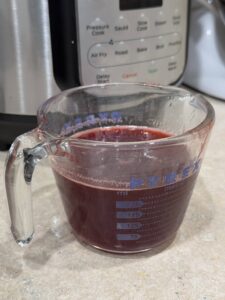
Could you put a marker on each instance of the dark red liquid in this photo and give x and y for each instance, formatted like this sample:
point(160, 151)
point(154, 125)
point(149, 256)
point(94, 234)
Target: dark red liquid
point(123, 219)
point(122, 134)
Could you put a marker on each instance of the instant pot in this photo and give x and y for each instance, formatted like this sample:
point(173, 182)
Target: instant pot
point(206, 60)
point(47, 46)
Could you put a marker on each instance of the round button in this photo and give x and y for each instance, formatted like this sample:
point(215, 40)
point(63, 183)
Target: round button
point(160, 19)
point(121, 53)
point(103, 76)
point(174, 43)
point(174, 68)
point(122, 25)
point(129, 76)
point(99, 55)
point(98, 27)
point(172, 64)
point(176, 18)
point(153, 67)
point(142, 24)
point(160, 47)
point(142, 50)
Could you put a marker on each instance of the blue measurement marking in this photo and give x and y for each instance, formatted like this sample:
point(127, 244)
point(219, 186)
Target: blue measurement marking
point(116, 116)
point(186, 172)
point(103, 116)
point(128, 237)
point(128, 214)
point(129, 204)
point(136, 182)
point(170, 178)
point(122, 226)
point(78, 120)
point(153, 181)
point(90, 119)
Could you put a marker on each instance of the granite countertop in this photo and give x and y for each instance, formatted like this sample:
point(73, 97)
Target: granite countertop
point(56, 266)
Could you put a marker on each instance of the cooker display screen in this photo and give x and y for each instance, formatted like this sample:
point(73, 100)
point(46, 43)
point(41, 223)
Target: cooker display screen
point(137, 4)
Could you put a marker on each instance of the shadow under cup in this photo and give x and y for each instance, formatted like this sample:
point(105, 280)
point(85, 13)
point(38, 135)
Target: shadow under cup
point(128, 197)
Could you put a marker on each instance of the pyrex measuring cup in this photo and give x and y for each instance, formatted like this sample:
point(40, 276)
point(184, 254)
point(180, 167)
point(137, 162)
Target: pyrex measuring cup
point(125, 158)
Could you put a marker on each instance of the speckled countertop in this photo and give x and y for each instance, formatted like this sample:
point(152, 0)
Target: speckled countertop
point(56, 266)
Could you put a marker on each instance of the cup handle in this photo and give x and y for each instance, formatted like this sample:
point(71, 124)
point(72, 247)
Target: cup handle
point(24, 154)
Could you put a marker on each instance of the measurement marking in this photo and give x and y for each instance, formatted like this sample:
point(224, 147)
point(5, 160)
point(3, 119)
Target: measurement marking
point(129, 214)
point(129, 204)
point(128, 237)
point(122, 226)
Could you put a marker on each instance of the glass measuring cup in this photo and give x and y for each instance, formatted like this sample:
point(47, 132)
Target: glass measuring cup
point(125, 158)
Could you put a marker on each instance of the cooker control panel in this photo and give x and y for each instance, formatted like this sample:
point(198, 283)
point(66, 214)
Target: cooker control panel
point(131, 41)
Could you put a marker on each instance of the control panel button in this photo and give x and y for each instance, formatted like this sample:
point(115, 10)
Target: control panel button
point(103, 76)
point(134, 51)
point(99, 55)
point(152, 68)
point(159, 46)
point(121, 53)
point(176, 18)
point(174, 43)
point(122, 25)
point(172, 64)
point(142, 50)
point(142, 24)
point(129, 76)
point(97, 28)
point(161, 19)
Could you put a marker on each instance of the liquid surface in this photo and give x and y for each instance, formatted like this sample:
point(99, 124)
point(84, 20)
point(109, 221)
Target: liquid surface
point(123, 220)
point(122, 134)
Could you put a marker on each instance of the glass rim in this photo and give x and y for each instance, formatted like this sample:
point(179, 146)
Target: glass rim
point(174, 139)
